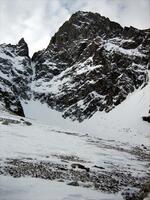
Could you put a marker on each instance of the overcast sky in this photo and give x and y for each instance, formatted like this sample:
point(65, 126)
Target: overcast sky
point(38, 20)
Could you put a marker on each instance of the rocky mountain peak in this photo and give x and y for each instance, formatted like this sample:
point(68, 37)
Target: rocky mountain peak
point(22, 48)
point(94, 64)
point(90, 65)
point(22, 41)
point(83, 25)
point(15, 75)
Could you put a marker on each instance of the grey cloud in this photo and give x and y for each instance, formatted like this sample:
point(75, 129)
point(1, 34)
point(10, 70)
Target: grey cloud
point(38, 20)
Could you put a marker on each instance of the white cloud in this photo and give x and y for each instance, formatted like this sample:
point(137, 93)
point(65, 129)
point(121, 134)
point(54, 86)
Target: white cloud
point(38, 20)
point(126, 12)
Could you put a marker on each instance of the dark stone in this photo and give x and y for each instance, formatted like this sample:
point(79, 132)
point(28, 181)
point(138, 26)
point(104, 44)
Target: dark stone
point(27, 123)
point(73, 183)
point(99, 167)
point(146, 118)
point(79, 166)
point(5, 122)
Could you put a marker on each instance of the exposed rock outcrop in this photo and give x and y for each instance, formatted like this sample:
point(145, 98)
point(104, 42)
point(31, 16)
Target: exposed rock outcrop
point(91, 64)
point(15, 75)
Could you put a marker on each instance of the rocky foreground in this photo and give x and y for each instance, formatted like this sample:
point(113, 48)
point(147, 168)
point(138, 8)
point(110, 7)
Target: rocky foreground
point(131, 180)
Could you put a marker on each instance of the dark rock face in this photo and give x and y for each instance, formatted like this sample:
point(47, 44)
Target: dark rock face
point(146, 118)
point(91, 64)
point(15, 76)
point(22, 48)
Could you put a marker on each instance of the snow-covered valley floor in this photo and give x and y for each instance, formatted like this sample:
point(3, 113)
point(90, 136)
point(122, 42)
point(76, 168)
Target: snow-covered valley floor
point(30, 188)
point(106, 157)
point(108, 168)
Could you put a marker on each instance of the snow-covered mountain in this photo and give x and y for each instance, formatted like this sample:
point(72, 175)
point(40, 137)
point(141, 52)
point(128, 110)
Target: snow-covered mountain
point(91, 64)
point(15, 75)
point(73, 113)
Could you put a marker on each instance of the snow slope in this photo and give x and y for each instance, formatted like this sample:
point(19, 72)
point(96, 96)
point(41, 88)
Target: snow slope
point(44, 142)
point(116, 142)
point(112, 141)
point(122, 123)
point(31, 188)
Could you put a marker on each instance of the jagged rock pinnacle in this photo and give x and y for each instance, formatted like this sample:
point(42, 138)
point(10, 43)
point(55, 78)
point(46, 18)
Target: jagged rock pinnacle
point(23, 48)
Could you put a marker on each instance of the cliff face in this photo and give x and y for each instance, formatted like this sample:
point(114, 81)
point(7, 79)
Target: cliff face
point(91, 64)
point(15, 75)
